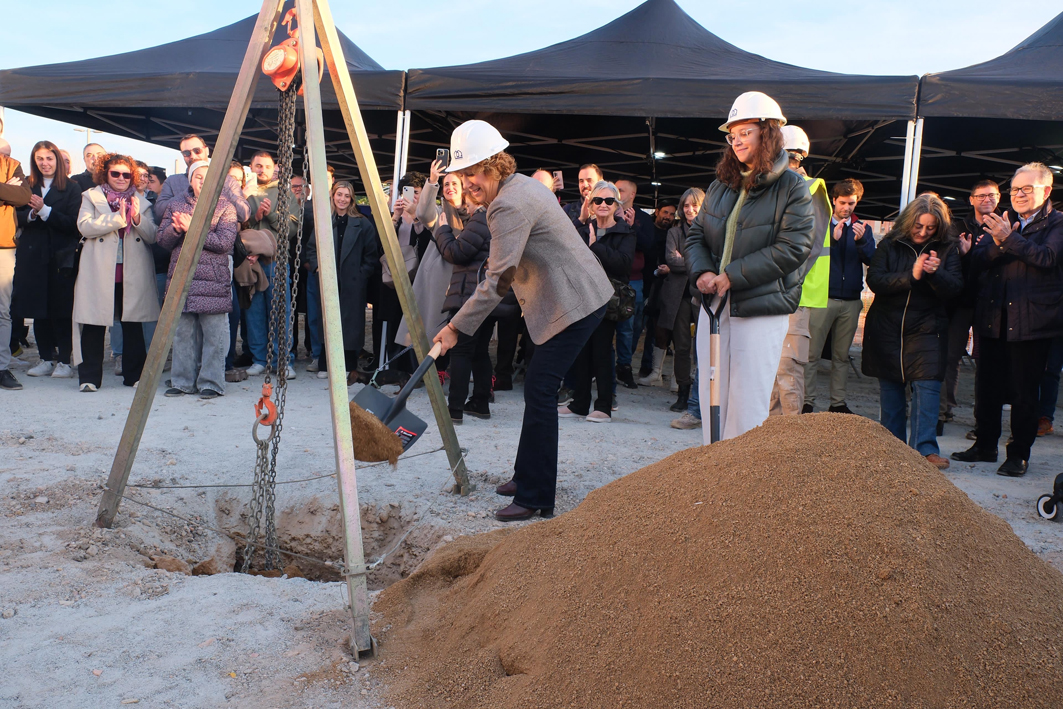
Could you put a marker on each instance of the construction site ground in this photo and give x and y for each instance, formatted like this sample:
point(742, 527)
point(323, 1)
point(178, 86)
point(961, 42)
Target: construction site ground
point(89, 621)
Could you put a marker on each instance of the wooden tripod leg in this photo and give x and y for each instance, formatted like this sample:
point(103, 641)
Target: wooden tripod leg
point(239, 103)
point(352, 117)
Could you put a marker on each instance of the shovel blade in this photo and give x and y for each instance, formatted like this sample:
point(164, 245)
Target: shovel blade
point(406, 425)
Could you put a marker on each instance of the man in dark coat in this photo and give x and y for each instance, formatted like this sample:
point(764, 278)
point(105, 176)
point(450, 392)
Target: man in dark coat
point(84, 179)
point(1018, 312)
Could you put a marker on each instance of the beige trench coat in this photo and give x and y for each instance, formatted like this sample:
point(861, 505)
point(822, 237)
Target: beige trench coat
point(94, 289)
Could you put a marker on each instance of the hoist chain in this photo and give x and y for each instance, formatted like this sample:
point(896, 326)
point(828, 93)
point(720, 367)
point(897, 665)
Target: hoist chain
point(279, 339)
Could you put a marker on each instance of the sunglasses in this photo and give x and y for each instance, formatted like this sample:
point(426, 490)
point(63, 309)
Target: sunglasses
point(196, 151)
point(118, 175)
point(607, 200)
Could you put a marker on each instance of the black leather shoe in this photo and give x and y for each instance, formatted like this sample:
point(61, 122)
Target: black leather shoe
point(516, 513)
point(478, 409)
point(625, 376)
point(507, 489)
point(503, 383)
point(843, 409)
point(974, 454)
point(807, 409)
point(8, 381)
point(1013, 468)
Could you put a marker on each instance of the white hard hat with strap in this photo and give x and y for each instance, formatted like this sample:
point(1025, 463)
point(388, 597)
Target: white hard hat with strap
point(794, 138)
point(472, 142)
point(753, 105)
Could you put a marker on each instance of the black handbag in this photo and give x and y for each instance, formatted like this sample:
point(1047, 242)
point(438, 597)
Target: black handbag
point(621, 305)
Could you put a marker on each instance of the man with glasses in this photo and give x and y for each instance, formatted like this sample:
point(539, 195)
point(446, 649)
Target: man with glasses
point(84, 179)
point(1017, 315)
point(984, 198)
point(193, 149)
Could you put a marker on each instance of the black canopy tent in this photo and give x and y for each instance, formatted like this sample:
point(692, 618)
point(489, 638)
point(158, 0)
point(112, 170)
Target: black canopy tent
point(985, 120)
point(161, 93)
point(652, 82)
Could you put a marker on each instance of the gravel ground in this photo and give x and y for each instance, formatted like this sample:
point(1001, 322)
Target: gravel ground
point(88, 621)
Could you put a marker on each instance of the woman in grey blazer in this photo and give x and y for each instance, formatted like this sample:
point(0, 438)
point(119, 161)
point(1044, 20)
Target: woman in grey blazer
point(559, 285)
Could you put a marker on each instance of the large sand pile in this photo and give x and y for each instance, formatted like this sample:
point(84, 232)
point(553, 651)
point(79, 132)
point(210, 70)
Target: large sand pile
point(814, 562)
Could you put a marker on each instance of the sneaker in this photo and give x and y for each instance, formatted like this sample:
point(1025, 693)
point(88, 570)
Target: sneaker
point(843, 409)
point(209, 394)
point(313, 366)
point(174, 391)
point(322, 374)
point(8, 381)
point(290, 373)
point(599, 417)
point(1044, 426)
point(62, 371)
point(255, 369)
point(564, 396)
point(686, 422)
point(87, 387)
point(616, 403)
point(118, 365)
point(563, 412)
point(44, 368)
point(937, 461)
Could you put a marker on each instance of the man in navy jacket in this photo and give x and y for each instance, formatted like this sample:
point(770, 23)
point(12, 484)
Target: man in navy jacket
point(851, 247)
point(1018, 312)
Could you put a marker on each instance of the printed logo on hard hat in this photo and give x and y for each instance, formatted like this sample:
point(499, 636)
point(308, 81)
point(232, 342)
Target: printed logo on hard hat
point(458, 155)
point(734, 112)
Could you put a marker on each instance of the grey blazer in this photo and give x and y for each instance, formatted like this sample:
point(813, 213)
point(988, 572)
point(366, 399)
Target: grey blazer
point(536, 251)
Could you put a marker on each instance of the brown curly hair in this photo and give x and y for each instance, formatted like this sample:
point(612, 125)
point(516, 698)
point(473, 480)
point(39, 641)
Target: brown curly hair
point(498, 167)
point(729, 169)
point(106, 162)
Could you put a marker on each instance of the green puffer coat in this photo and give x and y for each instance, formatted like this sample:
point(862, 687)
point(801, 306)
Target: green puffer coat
point(772, 241)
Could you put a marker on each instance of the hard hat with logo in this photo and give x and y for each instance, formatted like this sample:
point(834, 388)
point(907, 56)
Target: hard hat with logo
point(472, 142)
point(753, 105)
point(793, 138)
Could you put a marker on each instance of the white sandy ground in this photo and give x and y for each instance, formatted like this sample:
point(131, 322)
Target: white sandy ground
point(87, 622)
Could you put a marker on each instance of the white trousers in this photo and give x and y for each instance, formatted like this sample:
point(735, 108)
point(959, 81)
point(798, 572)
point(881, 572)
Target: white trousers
point(750, 349)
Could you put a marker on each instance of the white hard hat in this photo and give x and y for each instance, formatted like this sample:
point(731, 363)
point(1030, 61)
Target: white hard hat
point(472, 142)
point(793, 138)
point(753, 105)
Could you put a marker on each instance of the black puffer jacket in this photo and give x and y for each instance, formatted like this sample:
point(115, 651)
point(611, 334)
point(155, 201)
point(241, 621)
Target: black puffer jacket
point(1025, 275)
point(467, 250)
point(905, 334)
point(614, 247)
point(772, 241)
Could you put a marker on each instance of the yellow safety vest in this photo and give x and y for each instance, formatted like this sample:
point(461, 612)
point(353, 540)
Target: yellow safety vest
point(817, 280)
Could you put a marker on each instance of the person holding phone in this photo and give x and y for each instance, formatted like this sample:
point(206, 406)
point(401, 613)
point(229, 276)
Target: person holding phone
point(559, 284)
point(414, 238)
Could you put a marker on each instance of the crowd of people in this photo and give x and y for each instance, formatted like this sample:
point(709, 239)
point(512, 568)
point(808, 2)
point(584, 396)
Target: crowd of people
point(780, 256)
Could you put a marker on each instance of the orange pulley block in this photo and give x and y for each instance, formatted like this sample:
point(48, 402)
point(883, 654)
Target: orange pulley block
point(281, 64)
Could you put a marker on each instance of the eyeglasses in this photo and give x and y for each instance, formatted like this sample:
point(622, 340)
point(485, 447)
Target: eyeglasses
point(1025, 189)
point(119, 175)
point(985, 197)
point(798, 157)
point(607, 200)
point(196, 151)
point(742, 134)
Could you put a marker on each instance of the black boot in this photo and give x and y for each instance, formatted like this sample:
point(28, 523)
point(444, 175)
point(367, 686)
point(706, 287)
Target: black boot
point(684, 394)
point(478, 409)
point(625, 376)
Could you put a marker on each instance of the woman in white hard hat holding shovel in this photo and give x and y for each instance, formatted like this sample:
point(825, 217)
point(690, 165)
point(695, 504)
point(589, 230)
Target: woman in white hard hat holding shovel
point(746, 246)
point(559, 285)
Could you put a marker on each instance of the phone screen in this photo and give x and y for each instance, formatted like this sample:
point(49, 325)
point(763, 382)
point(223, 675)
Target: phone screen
point(559, 184)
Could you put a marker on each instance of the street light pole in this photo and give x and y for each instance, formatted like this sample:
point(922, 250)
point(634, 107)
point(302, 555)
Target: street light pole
point(88, 134)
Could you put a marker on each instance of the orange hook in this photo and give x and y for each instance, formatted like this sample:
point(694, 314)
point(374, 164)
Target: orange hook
point(266, 410)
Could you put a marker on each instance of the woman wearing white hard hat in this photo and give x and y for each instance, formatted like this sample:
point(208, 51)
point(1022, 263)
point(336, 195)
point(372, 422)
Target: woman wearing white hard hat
point(748, 242)
point(559, 285)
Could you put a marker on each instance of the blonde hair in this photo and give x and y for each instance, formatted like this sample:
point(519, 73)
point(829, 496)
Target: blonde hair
point(606, 185)
point(352, 208)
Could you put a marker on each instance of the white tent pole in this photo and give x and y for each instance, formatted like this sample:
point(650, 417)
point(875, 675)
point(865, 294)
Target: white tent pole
point(909, 144)
point(917, 152)
point(405, 141)
point(398, 171)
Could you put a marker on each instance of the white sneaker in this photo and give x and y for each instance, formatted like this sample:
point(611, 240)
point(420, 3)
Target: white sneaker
point(87, 387)
point(312, 367)
point(62, 371)
point(322, 375)
point(290, 374)
point(599, 417)
point(255, 369)
point(43, 368)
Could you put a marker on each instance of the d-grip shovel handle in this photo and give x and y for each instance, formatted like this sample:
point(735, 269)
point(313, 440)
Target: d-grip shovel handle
point(400, 401)
point(714, 315)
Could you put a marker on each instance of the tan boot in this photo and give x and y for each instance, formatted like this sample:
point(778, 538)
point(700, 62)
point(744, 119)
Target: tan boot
point(654, 377)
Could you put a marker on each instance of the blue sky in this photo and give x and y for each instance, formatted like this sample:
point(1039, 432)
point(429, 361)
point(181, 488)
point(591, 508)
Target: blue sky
point(896, 37)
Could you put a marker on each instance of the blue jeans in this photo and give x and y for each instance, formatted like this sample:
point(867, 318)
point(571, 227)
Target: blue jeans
point(535, 468)
point(926, 397)
point(149, 327)
point(693, 401)
point(627, 330)
point(313, 314)
point(1050, 381)
point(234, 328)
point(258, 323)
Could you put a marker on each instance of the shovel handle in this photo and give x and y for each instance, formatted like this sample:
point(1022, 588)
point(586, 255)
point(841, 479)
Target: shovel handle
point(404, 393)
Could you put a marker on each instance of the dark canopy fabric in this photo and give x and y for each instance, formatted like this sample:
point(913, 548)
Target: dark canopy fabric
point(654, 61)
point(1024, 83)
point(199, 71)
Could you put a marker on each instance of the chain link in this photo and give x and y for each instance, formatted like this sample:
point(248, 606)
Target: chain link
point(279, 340)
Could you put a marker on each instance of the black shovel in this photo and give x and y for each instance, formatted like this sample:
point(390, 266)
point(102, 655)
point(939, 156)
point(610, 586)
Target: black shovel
point(714, 363)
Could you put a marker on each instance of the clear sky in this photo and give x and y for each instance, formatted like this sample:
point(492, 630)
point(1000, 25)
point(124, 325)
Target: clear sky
point(880, 37)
